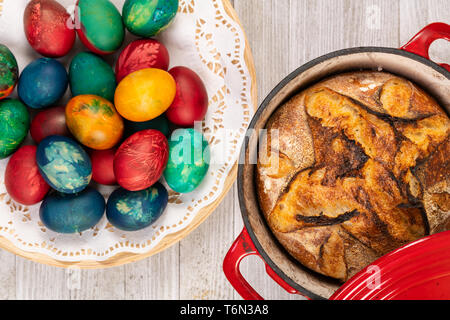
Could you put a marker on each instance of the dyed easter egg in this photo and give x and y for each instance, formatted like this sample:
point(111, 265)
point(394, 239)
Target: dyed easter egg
point(49, 122)
point(160, 123)
point(14, 125)
point(48, 28)
point(101, 27)
point(23, 181)
point(133, 211)
point(9, 72)
point(142, 54)
point(141, 160)
point(191, 100)
point(189, 157)
point(90, 74)
point(103, 166)
point(146, 18)
point(145, 94)
point(64, 164)
point(94, 122)
point(72, 213)
point(42, 83)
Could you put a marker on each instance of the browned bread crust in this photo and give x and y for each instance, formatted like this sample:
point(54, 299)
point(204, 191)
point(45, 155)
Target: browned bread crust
point(352, 168)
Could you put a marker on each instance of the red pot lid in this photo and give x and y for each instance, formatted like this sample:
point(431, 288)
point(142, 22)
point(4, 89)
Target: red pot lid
point(417, 271)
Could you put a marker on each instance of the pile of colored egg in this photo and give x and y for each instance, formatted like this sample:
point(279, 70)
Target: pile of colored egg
point(115, 130)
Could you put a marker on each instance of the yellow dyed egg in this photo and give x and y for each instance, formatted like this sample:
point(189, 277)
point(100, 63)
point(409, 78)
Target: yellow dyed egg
point(145, 94)
point(94, 122)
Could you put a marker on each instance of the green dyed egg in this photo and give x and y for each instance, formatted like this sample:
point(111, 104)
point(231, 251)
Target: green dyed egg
point(14, 125)
point(90, 74)
point(189, 156)
point(9, 72)
point(102, 29)
point(146, 18)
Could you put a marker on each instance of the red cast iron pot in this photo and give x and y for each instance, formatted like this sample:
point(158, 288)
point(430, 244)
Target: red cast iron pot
point(420, 270)
point(402, 276)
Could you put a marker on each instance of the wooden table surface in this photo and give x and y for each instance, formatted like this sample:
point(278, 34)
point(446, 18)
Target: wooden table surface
point(283, 34)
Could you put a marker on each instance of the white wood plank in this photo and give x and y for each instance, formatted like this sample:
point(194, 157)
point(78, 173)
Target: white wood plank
point(36, 281)
point(105, 284)
point(155, 278)
point(202, 253)
point(7, 275)
point(320, 27)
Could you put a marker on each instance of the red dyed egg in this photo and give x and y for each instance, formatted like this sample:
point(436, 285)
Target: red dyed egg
point(48, 123)
point(141, 160)
point(141, 54)
point(23, 181)
point(103, 166)
point(48, 28)
point(191, 100)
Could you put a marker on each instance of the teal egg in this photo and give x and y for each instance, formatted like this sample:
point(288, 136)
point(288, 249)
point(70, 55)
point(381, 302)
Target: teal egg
point(189, 157)
point(90, 74)
point(146, 18)
point(14, 125)
point(101, 29)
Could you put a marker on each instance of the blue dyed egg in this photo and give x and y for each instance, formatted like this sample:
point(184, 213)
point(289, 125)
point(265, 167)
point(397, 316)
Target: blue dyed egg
point(189, 157)
point(72, 213)
point(42, 83)
point(132, 211)
point(64, 165)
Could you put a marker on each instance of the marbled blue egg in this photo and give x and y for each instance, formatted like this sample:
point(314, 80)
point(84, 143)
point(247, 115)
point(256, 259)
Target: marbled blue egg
point(42, 83)
point(189, 157)
point(132, 211)
point(72, 213)
point(64, 164)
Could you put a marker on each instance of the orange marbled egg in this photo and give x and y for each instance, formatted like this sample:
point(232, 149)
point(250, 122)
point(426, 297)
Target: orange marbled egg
point(94, 122)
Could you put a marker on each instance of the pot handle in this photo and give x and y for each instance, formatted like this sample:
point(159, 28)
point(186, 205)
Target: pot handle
point(422, 41)
point(241, 248)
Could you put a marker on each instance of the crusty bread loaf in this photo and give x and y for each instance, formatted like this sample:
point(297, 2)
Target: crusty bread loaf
point(352, 168)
